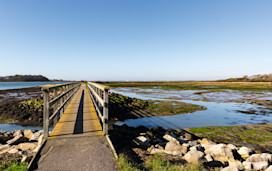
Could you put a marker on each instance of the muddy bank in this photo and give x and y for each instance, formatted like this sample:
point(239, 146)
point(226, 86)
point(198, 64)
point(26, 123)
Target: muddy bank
point(21, 106)
point(123, 107)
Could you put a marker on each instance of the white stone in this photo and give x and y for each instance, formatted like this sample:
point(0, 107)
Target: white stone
point(230, 168)
point(208, 158)
point(36, 135)
point(156, 151)
point(233, 147)
point(28, 133)
point(269, 168)
point(196, 157)
point(260, 165)
point(245, 152)
point(206, 141)
point(26, 146)
point(141, 140)
point(174, 148)
point(260, 157)
point(13, 151)
point(171, 138)
point(220, 152)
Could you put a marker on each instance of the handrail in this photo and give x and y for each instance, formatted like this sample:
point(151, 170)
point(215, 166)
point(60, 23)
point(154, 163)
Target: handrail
point(60, 95)
point(100, 96)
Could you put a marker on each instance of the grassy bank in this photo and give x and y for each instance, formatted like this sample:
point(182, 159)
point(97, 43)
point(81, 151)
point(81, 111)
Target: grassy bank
point(257, 136)
point(155, 163)
point(196, 85)
point(13, 165)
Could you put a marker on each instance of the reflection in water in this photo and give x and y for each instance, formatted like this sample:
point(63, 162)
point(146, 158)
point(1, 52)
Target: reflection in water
point(217, 113)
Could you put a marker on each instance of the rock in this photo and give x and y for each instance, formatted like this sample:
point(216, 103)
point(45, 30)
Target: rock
point(236, 163)
point(26, 146)
point(245, 152)
point(37, 149)
point(28, 133)
point(196, 157)
point(186, 145)
point(208, 158)
point(206, 141)
point(171, 138)
point(156, 151)
point(4, 138)
point(26, 159)
point(260, 157)
point(198, 148)
point(248, 165)
point(13, 150)
point(40, 140)
point(220, 152)
point(230, 168)
point(192, 143)
point(172, 148)
point(269, 168)
point(233, 147)
point(159, 147)
point(263, 165)
point(36, 135)
point(17, 140)
point(4, 147)
point(188, 136)
point(142, 141)
point(17, 133)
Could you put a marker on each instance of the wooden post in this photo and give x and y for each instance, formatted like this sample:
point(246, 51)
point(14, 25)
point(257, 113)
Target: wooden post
point(105, 111)
point(46, 113)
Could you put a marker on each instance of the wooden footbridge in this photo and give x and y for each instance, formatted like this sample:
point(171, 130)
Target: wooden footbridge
point(79, 140)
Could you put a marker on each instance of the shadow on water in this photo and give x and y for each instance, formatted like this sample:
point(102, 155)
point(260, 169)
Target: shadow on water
point(79, 120)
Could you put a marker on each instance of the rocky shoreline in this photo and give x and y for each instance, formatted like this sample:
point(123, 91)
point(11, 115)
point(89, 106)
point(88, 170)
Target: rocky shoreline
point(19, 144)
point(182, 147)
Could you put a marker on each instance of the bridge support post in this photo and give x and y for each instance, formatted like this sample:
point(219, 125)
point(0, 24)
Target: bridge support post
point(46, 114)
point(105, 112)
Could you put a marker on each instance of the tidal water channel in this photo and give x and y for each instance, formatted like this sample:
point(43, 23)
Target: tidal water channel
point(224, 107)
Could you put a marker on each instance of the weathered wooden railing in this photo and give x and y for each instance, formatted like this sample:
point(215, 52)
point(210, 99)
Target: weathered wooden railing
point(55, 99)
point(100, 96)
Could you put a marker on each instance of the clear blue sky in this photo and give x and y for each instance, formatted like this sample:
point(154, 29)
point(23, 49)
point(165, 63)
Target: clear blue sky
point(136, 39)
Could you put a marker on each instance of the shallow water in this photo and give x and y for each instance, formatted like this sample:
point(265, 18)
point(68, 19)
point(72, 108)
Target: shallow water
point(16, 85)
point(12, 127)
point(218, 113)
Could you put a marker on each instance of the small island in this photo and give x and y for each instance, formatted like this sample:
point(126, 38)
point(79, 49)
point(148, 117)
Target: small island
point(23, 78)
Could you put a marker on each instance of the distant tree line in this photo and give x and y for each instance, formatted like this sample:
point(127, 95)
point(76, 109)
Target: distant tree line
point(23, 78)
point(253, 78)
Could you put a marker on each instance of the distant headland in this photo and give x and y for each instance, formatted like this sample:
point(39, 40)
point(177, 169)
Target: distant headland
point(25, 78)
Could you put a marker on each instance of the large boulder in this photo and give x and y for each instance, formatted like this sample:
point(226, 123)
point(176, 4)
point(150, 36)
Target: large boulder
point(230, 168)
point(26, 146)
point(206, 141)
point(4, 148)
point(260, 157)
point(220, 152)
point(17, 140)
point(156, 151)
point(198, 148)
point(36, 135)
point(28, 133)
point(245, 152)
point(269, 168)
point(262, 165)
point(17, 133)
point(196, 157)
point(171, 138)
point(236, 163)
point(174, 148)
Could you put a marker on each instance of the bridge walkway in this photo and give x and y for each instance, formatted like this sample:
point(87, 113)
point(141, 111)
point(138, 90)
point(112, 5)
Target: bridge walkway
point(77, 141)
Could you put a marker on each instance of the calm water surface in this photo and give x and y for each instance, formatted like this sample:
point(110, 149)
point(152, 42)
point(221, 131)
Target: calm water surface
point(219, 113)
point(17, 85)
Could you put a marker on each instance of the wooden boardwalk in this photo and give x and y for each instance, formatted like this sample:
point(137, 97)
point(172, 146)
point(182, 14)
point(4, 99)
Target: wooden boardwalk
point(77, 141)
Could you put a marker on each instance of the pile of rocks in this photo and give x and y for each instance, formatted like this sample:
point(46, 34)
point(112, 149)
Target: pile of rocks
point(196, 150)
point(21, 144)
